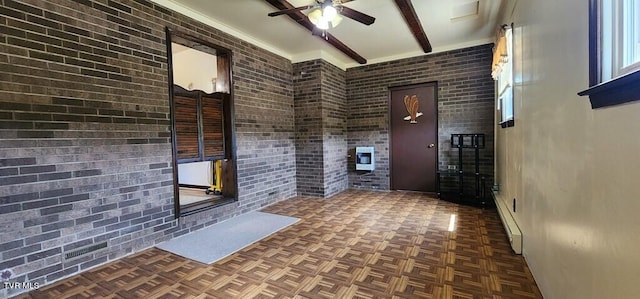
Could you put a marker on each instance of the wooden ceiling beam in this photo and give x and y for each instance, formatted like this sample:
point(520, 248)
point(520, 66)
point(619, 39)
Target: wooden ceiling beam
point(410, 16)
point(302, 19)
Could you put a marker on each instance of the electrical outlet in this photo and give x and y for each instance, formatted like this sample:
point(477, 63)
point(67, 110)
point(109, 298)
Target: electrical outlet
point(452, 167)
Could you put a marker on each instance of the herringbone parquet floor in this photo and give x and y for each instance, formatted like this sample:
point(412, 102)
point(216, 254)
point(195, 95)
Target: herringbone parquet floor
point(358, 244)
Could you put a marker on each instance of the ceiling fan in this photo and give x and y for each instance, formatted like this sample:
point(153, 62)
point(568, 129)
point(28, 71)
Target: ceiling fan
point(325, 14)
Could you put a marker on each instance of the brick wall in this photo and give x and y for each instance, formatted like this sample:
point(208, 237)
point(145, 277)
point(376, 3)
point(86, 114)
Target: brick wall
point(334, 123)
point(321, 148)
point(308, 120)
point(465, 105)
point(84, 127)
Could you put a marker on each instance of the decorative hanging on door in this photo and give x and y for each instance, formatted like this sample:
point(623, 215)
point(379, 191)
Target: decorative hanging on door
point(412, 107)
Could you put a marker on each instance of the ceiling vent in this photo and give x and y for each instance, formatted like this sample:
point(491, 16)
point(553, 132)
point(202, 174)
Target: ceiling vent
point(464, 10)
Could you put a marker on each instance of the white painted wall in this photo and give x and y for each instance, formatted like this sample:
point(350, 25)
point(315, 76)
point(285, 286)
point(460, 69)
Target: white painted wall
point(196, 173)
point(193, 69)
point(575, 171)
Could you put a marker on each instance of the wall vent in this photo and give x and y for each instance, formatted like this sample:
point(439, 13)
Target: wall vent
point(85, 250)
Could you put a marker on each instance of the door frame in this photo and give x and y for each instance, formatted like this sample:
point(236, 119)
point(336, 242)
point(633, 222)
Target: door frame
point(230, 174)
point(437, 143)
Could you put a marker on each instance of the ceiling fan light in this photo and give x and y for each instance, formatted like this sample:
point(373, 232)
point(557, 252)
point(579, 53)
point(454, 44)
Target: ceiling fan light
point(323, 24)
point(329, 13)
point(315, 15)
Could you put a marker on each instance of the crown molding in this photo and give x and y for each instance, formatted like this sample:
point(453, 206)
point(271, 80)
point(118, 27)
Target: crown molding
point(172, 5)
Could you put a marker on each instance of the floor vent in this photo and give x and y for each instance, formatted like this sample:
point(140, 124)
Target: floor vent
point(85, 250)
point(510, 226)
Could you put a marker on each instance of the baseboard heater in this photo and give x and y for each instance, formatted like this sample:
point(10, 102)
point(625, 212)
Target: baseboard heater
point(510, 226)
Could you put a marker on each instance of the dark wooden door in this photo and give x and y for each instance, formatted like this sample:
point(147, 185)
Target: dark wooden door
point(414, 135)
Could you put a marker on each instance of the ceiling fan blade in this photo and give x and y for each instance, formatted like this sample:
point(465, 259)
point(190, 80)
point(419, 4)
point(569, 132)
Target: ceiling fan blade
point(286, 11)
point(357, 16)
point(317, 31)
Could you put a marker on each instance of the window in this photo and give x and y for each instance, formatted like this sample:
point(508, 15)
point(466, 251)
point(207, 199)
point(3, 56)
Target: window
point(620, 38)
point(614, 52)
point(631, 37)
point(506, 107)
point(502, 72)
point(201, 104)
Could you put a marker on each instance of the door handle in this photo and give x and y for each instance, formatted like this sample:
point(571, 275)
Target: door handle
point(431, 145)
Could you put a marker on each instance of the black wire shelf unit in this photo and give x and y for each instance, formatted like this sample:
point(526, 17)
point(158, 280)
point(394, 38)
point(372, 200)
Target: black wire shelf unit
point(460, 177)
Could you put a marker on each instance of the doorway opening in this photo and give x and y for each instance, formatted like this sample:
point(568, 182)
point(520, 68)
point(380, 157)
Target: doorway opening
point(202, 124)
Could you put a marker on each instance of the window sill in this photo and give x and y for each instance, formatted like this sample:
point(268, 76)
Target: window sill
point(208, 204)
point(507, 123)
point(616, 91)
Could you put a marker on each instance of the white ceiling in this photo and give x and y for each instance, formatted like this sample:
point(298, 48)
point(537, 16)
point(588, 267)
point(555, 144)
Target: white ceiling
point(387, 39)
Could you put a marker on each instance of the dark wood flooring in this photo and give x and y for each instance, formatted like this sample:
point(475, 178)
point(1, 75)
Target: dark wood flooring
point(358, 244)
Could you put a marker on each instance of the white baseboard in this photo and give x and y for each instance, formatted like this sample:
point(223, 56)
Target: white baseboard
point(509, 223)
